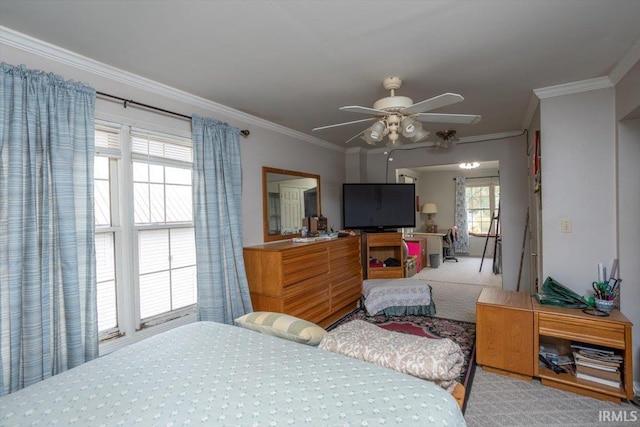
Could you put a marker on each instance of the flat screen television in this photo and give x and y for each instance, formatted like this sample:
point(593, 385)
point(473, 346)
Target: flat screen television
point(378, 207)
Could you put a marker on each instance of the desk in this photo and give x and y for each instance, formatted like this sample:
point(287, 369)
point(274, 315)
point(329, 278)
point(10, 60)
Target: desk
point(434, 244)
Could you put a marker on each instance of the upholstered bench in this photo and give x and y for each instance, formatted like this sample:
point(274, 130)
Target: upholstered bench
point(397, 297)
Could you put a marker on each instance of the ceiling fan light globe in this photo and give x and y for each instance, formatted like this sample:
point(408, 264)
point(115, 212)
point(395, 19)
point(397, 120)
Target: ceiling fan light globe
point(378, 127)
point(419, 135)
point(371, 138)
point(410, 126)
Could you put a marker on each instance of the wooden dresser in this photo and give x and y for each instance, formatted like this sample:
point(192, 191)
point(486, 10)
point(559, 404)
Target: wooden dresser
point(319, 281)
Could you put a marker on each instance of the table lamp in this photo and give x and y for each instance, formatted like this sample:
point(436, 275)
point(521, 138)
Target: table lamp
point(430, 209)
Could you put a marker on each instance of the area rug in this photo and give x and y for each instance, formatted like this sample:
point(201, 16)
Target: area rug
point(463, 333)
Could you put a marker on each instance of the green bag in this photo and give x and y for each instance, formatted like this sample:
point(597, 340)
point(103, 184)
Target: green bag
point(559, 295)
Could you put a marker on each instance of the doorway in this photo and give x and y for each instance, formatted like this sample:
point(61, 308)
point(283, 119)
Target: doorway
point(480, 262)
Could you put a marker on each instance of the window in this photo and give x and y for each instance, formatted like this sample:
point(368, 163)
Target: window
point(107, 142)
point(145, 244)
point(482, 203)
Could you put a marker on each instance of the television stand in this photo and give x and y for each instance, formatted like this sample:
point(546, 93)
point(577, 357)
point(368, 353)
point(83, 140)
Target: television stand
point(380, 246)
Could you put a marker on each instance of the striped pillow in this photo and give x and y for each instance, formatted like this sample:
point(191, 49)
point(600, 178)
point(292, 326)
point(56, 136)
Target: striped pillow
point(282, 326)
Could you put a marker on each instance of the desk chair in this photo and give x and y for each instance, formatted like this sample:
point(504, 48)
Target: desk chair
point(448, 246)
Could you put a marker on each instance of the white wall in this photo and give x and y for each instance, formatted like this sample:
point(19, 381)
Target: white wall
point(511, 154)
point(628, 114)
point(266, 146)
point(578, 184)
point(590, 176)
point(629, 228)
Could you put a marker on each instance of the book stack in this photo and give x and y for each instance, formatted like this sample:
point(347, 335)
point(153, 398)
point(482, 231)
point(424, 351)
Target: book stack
point(598, 365)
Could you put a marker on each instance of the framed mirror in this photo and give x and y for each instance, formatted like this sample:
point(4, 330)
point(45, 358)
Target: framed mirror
point(287, 197)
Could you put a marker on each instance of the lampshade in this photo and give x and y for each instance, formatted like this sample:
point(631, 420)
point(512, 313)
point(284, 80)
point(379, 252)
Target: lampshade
point(429, 208)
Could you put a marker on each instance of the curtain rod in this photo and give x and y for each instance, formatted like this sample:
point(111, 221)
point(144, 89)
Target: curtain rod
point(243, 132)
point(480, 177)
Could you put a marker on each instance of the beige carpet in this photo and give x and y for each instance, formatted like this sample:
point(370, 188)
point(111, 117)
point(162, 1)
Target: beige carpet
point(456, 286)
point(497, 400)
point(466, 271)
point(455, 301)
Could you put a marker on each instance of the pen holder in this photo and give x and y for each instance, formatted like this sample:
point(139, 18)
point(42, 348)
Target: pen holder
point(604, 305)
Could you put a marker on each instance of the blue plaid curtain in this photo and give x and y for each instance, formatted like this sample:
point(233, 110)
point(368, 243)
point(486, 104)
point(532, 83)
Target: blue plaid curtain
point(48, 314)
point(223, 291)
point(462, 244)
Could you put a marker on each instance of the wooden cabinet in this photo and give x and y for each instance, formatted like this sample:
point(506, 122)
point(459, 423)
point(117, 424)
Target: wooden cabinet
point(418, 247)
point(504, 332)
point(574, 326)
point(319, 281)
point(382, 246)
point(511, 325)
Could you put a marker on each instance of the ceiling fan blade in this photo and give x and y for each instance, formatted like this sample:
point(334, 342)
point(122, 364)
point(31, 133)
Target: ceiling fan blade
point(365, 110)
point(344, 124)
point(433, 103)
point(354, 137)
point(468, 119)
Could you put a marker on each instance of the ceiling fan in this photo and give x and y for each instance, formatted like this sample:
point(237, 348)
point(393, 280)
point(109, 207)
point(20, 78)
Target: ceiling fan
point(395, 115)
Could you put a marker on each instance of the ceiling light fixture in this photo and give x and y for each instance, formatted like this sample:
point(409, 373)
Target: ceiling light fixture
point(469, 165)
point(391, 126)
point(395, 115)
point(447, 138)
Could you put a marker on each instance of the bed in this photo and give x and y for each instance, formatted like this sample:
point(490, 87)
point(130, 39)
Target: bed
point(397, 297)
point(208, 373)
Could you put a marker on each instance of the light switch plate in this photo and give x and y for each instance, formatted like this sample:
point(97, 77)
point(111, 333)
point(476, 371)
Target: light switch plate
point(565, 226)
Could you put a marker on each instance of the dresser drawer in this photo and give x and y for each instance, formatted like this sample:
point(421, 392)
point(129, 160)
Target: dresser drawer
point(386, 273)
point(298, 265)
point(595, 331)
point(309, 301)
point(345, 291)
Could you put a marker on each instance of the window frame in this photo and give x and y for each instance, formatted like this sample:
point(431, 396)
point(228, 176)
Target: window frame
point(493, 209)
point(130, 326)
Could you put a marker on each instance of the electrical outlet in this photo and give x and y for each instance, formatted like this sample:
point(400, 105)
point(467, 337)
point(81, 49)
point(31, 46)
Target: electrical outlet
point(565, 226)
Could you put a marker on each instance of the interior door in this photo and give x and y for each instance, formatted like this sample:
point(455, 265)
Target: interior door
point(290, 208)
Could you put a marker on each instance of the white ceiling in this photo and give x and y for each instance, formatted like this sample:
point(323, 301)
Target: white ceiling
point(296, 62)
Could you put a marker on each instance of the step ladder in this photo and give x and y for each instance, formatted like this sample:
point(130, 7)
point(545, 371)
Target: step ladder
point(497, 246)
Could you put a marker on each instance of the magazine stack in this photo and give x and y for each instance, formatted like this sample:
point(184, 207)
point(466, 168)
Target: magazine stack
point(598, 365)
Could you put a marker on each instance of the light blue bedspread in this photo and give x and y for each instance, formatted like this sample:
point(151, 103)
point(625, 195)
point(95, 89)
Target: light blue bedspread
point(210, 374)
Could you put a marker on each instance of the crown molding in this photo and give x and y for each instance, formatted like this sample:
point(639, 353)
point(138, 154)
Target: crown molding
point(464, 140)
point(573, 87)
point(41, 48)
point(624, 65)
